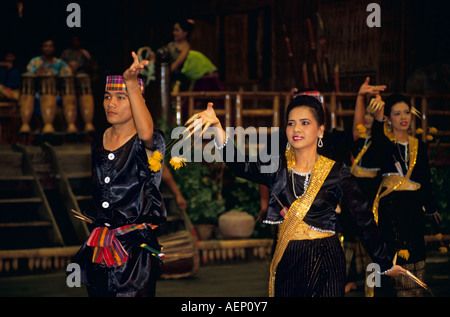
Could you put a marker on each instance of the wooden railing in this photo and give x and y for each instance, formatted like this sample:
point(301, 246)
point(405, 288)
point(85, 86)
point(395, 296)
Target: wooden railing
point(420, 102)
point(339, 106)
point(235, 108)
point(256, 108)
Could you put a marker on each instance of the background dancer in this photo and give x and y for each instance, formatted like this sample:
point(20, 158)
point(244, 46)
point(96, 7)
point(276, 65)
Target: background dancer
point(405, 195)
point(364, 166)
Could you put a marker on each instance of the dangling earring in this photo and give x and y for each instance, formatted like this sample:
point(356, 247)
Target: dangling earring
point(390, 126)
point(288, 146)
point(320, 142)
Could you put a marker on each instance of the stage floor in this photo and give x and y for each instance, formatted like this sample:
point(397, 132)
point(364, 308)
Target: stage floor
point(234, 279)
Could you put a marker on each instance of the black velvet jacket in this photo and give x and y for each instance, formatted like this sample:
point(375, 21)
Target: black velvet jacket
point(125, 191)
point(340, 184)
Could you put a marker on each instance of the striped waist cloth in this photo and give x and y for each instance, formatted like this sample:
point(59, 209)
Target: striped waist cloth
point(107, 248)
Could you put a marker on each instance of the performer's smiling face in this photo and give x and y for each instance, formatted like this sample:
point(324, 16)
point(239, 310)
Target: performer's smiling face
point(117, 106)
point(400, 116)
point(302, 128)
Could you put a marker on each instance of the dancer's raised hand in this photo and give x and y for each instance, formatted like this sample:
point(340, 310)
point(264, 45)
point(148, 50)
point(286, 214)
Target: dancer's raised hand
point(369, 90)
point(136, 67)
point(209, 119)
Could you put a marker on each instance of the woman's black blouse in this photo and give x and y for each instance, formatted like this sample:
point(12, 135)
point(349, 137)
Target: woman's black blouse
point(386, 152)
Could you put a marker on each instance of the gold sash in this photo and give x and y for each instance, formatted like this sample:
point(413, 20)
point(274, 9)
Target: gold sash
point(296, 213)
point(359, 171)
point(362, 172)
point(392, 180)
point(359, 156)
point(400, 181)
point(305, 232)
point(395, 182)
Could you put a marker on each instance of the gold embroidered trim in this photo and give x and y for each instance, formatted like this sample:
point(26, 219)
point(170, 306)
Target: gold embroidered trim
point(392, 180)
point(297, 212)
point(413, 149)
point(358, 169)
point(388, 132)
point(290, 158)
point(305, 232)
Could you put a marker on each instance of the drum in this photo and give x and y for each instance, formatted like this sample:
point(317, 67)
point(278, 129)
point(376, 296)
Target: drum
point(26, 101)
point(69, 101)
point(86, 101)
point(48, 101)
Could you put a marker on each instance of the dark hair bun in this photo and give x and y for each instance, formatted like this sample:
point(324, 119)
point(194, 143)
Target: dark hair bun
point(308, 101)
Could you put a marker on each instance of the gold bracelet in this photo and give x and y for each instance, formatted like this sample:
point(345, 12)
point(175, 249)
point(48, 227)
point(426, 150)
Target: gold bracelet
point(128, 93)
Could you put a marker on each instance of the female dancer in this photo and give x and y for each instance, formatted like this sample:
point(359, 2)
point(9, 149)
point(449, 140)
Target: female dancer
point(308, 259)
point(119, 258)
point(404, 197)
point(364, 166)
point(200, 72)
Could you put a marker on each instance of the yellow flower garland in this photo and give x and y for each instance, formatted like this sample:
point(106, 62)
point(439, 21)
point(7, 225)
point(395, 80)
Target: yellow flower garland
point(362, 130)
point(177, 162)
point(154, 162)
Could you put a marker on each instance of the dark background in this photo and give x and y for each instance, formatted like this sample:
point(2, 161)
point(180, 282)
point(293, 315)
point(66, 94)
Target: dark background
point(246, 38)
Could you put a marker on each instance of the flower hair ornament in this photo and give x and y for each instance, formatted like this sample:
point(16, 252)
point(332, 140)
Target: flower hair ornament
point(315, 93)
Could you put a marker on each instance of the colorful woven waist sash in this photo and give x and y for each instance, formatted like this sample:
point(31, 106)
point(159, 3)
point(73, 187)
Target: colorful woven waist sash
point(107, 248)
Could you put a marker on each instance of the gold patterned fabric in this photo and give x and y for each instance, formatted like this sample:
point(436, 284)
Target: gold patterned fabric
point(390, 181)
point(360, 171)
point(297, 211)
point(359, 156)
point(305, 232)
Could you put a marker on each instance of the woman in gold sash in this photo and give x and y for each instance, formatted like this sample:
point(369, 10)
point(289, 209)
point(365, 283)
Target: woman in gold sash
point(364, 166)
point(308, 259)
point(405, 196)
